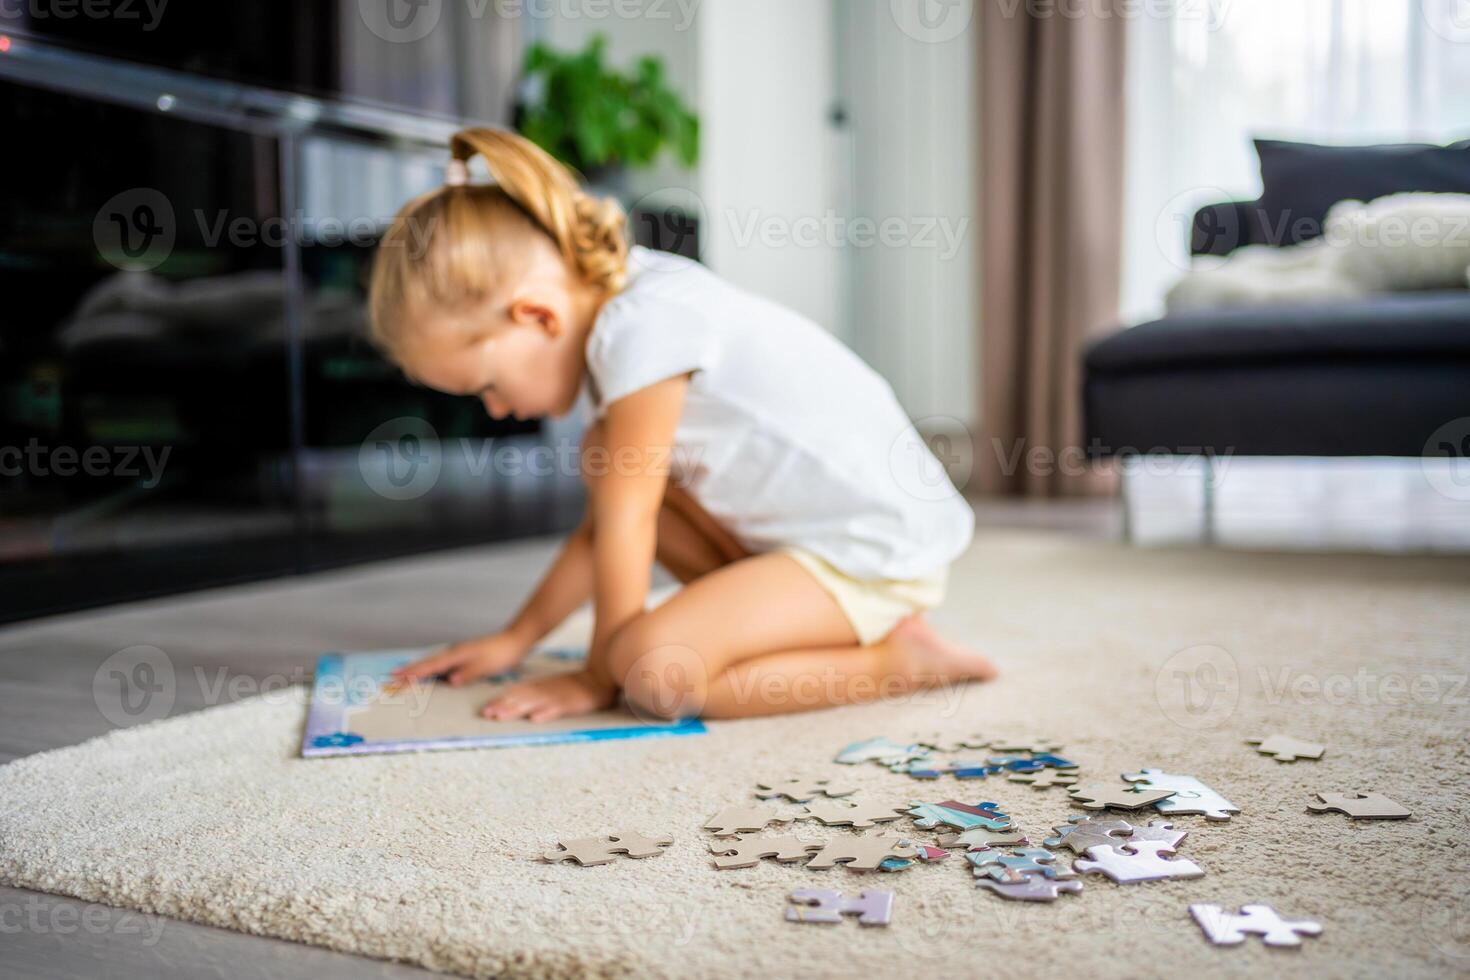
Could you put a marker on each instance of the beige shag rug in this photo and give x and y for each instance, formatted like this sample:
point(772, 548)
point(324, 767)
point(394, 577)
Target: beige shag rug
point(1132, 658)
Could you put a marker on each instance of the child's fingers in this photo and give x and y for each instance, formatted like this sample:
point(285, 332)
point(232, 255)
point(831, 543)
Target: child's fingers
point(549, 712)
point(431, 665)
point(508, 707)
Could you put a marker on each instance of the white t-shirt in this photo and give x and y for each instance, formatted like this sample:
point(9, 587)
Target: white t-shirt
point(787, 437)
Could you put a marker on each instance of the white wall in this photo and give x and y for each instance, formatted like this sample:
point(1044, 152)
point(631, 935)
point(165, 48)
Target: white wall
point(911, 99)
point(782, 193)
point(769, 177)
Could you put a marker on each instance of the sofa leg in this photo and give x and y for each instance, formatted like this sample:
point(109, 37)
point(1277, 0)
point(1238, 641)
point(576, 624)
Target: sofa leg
point(1125, 474)
point(1208, 508)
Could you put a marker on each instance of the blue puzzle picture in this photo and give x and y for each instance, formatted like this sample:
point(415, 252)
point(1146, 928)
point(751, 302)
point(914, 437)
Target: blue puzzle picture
point(357, 710)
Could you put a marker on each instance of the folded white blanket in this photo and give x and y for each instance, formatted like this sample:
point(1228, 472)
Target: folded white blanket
point(1395, 243)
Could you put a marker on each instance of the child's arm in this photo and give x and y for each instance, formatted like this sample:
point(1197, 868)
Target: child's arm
point(628, 476)
point(639, 434)
point(564, 587)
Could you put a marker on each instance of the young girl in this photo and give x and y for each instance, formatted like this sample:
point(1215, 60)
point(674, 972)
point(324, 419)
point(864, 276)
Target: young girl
point(733, 441)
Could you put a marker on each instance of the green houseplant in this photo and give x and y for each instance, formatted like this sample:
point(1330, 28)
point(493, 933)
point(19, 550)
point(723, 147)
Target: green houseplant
point(599, 120)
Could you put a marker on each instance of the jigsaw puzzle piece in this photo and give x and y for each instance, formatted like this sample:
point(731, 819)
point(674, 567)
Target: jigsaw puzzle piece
point(837, 813)
point(1016, 868)
point(1098, 796)
point(881, 750)
point(1026, 743)
point(1036, 888)
point(1044, 778)
point(799, 790)
point(1226, 929)
point(734, 820)
point(1190, 795)
point(979, 838)
point(862, 853)
point(1137, 861)
point(747, 850)
point(1082, 832)
point(926, 853)
point(960, 816)
point(873, 908)
point(1361, 806)
point(937, 742)
point(590, 851)
point(960, 769)
point(1284, 748)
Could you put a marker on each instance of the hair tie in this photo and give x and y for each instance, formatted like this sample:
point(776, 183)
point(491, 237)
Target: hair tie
point(457, 173)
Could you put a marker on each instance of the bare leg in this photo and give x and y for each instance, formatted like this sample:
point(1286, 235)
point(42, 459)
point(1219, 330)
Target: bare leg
point(724, 643)
point(690, 542)
point(912, 658)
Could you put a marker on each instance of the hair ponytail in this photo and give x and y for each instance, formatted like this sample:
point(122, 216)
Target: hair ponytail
point(454, 245)
point(588, 231)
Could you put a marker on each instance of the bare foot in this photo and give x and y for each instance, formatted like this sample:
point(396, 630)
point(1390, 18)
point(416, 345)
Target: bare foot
point(919, 654)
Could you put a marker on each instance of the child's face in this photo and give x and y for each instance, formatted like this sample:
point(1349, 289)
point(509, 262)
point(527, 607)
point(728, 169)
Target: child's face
point(523, 359)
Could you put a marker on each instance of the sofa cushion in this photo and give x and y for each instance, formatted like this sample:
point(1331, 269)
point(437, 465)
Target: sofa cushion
point(1358, 378)
point(1398, 325)
point(1301, 181)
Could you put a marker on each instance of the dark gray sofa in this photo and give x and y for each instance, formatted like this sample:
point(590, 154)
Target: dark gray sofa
point(1366, 377)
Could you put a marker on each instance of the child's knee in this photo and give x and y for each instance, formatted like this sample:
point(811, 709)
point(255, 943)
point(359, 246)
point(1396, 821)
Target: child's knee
point(658, 675)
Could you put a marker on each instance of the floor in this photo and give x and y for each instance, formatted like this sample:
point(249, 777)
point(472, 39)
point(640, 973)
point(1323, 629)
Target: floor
point(53, 693)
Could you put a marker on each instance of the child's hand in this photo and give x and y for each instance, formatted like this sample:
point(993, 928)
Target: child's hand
point(549, 698)
point(468, 661)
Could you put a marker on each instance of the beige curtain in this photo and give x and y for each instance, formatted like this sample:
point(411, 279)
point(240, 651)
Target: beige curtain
point(1051, 159)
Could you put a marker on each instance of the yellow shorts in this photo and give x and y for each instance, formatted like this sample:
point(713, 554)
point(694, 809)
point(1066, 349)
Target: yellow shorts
point(873, 606)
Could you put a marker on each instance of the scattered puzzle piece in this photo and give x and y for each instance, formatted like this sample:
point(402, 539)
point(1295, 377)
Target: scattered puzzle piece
point(979, 838)
point(880, 750)
point(926, 853)
point(1287, 749)
point(937, 742)
point(932, 769)
point(1082, 832)
point(1361, 806)
point(1016, 868)
point(1190, 795)
point(1226, 929)
point(1136, 861)
point(1026, 743)
point(862, 853)
point(746, 851)
point(1098, 796)
point(801, 790)
point(873, 908)
point(960, 816)
point(589, 851)
point(836, 813)
point(1044, 778)
point(742, 820)
point(1036, 888)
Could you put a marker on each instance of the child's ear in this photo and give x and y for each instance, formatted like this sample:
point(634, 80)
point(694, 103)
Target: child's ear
point(528, 312)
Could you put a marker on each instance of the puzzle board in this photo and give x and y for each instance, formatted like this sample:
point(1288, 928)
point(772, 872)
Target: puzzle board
point(354, 711)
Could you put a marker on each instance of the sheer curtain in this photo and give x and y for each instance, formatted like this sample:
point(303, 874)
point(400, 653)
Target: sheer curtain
point(1215, 73)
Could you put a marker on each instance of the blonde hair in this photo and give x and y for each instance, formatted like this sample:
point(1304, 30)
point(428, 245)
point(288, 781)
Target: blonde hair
point(451, 247)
